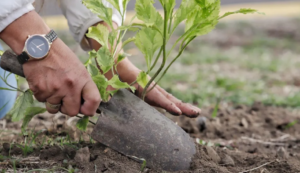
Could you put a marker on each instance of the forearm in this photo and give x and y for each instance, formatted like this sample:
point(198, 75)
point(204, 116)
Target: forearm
point(15, 34)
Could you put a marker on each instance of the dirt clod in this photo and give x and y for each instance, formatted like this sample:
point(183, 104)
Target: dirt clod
point(282, 153)
point(227, 161)
point(212, 154)
point(82, 155)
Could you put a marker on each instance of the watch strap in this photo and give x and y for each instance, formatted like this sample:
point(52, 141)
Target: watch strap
point(23, 57)
point(51, 36)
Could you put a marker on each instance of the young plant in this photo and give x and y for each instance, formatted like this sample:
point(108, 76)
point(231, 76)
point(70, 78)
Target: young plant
point(152, 35)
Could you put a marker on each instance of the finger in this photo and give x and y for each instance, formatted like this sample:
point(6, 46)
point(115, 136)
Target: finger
point(187, 109)
point(156, 98)
point(39, 90)
point(71, 104)
point(92, 99)
point(53, 104)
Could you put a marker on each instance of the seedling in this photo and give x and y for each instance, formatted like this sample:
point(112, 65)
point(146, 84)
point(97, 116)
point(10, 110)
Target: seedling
point(151, 35)
point(291, 124)
point(26, 149)
point(143, 165)
point(216, 109)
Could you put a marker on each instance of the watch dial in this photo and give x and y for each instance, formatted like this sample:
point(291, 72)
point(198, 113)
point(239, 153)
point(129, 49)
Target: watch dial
point(37, 46)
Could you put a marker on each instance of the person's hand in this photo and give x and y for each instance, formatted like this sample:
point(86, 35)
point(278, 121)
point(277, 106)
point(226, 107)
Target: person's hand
point(160, 98)
point(61, 78)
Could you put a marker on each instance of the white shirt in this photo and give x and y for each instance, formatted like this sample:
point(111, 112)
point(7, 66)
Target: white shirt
point(79, 17)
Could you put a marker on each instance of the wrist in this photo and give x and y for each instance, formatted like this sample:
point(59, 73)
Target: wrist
point(16, 34)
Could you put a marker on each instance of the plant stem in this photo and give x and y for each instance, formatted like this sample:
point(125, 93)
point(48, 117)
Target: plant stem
point(171, 19)
point(156, 59)
point(17, 89)
point(186, 34)
point(172, 63)
point(164, 55)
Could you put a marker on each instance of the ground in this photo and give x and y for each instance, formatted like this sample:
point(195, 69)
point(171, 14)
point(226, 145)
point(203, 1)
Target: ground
point(249, 70)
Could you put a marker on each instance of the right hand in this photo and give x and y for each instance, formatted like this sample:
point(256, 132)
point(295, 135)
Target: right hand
point(61, 78)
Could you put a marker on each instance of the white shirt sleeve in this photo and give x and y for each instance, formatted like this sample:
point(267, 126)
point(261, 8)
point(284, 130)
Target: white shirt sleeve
point(80, 18)
point(10, 10)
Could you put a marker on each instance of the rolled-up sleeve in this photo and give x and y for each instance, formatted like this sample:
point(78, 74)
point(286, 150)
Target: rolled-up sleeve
point(10, 10)
point(80, 18)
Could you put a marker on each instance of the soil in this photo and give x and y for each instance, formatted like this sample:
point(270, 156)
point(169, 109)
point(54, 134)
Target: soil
point(240, 138)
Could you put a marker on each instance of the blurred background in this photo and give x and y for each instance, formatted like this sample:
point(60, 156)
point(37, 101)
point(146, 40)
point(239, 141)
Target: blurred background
point(247, 58)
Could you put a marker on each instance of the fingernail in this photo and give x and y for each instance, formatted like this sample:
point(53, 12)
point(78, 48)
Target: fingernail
point(177, 110)
point(196, 108)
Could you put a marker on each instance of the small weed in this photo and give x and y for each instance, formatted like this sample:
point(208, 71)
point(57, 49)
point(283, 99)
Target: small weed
point(216, 109)
point(291, 124)
point(229, 84)
point(202, 142)
point(143, 165)
point(29, 142)
point(26, 149)
point(14, 166)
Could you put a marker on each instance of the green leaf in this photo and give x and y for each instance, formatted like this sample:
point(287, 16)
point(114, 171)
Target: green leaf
point(29, 114)
point(183, 11)
point(92, 54)
point(115, 3)
point(97, 7)
point(146, 12)
point(142, 79)
point(1, 52)
point(203, 19)
point(93, 70)
point(117, 84)
point(169, 4)
point(99, 33)
point(24, 101)
point(131, 39)
point(241, 11)
point(129, 27)
point(121, 57)
point(104, 59)
point(101, 83)
point(204, 3)
point(82, 123)
point(112, 37)
point(125, 3)
point(3, 106)
point(148, 41)
point(112, 92)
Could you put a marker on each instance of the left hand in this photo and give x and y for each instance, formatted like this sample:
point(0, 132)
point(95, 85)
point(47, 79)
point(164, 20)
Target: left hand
point(161, 98)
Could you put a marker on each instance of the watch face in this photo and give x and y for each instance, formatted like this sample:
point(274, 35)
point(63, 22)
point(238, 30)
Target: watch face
point(37, 46)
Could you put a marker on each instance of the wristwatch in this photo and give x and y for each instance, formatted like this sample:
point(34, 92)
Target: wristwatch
point(37, 47)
